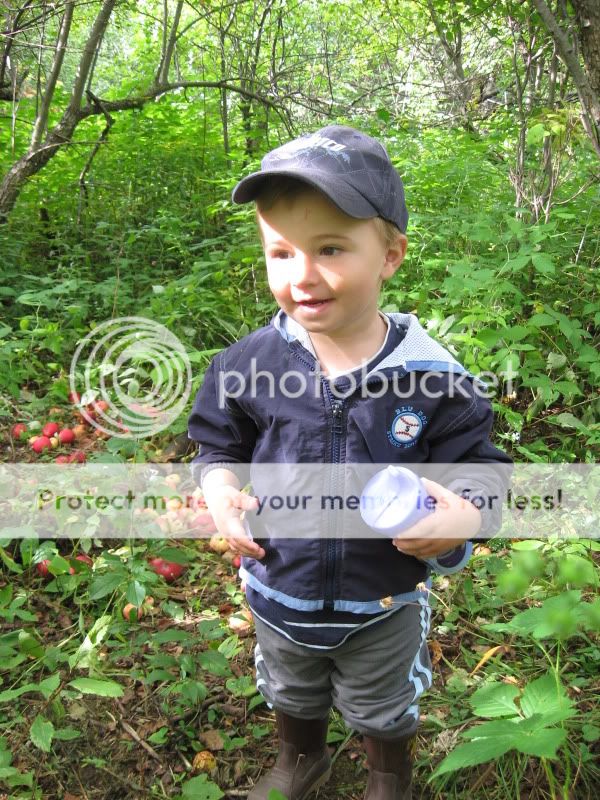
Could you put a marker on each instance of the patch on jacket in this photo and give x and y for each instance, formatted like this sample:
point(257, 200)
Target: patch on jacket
point(406, 427)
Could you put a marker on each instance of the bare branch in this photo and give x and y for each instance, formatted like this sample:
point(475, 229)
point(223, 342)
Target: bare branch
point(61, 45)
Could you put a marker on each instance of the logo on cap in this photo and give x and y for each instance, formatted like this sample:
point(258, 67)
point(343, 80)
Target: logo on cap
point(407, 426)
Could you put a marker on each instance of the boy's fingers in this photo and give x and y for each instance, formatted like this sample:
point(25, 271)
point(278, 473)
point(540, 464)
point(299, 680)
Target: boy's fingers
point(245, 547)
point(239, 540)
point(245, 501)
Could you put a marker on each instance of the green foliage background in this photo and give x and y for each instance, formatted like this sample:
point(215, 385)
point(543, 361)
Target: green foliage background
point(506, 286)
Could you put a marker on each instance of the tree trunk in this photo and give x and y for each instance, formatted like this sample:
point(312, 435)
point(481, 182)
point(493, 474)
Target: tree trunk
point(588, 95)
point(588, 23)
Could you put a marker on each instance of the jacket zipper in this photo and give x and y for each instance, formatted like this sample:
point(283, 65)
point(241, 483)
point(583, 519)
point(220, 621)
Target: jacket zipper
point(337, 410)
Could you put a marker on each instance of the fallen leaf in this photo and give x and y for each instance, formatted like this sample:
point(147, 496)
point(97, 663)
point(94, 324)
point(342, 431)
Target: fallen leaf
point(435, 648)
point(212, 739)
point(486, 657)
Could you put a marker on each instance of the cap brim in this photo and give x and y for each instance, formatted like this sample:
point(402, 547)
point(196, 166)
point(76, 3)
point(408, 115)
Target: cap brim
point(341, 194)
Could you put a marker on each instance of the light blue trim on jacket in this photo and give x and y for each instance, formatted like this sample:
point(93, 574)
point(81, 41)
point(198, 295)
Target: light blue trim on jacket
point(353, 606)
point(374, 606)
point(280, 597)
point(441, 570)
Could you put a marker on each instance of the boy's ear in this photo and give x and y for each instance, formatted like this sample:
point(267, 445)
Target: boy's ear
point(394, 256)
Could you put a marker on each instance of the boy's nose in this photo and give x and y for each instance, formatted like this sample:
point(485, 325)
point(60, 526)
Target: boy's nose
point(304, 271)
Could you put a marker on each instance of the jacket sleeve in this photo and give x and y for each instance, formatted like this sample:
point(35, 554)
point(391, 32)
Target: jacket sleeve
point(469, 464)
point(225, 433)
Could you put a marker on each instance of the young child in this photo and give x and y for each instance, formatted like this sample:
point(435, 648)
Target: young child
point(332, 219)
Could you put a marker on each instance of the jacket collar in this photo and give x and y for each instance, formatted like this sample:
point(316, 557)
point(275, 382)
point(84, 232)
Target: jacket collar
point(416, 352)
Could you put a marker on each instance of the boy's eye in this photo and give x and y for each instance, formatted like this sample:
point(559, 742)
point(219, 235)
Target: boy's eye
point(330, 250)
point(280, 254)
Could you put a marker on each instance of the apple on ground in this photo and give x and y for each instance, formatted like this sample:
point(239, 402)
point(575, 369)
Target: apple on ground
point(66, 436)
point(50, 428)
point(85, 559)
point(169, 570)
point(134, 613)
point(42, 568)
point(40, 444)
point(18, 429)
point(74, 397)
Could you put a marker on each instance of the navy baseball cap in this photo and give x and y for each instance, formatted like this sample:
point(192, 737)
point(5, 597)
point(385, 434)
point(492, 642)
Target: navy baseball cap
point(352, 169)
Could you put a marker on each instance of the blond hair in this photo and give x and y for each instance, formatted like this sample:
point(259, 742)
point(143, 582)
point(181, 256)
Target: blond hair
point(288, 189)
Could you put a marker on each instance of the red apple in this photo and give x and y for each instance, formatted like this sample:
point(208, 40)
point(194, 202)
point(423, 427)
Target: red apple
point(85, 559)
point(62, 460)
point(42, 568)
point(66, 436)
point(18, 429)
point(77, 456)
point(40, 444)
point(132, 613)
point(74, 397)
point(168, 569)
point(50, 428)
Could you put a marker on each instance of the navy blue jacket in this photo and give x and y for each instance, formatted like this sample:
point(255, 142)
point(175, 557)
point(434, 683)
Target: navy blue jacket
point(345, 575)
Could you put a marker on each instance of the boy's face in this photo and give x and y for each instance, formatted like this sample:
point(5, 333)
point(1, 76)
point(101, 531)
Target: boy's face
point(325, 268)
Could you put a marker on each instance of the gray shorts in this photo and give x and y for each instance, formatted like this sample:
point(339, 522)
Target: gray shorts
point(374, 678)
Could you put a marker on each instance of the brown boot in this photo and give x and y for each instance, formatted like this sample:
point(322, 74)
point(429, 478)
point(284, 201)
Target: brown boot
point(303, 763)
point(390, 768)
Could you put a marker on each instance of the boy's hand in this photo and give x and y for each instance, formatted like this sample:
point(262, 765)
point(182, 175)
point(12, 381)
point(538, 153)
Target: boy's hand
point(452, 515)
point(226, 504)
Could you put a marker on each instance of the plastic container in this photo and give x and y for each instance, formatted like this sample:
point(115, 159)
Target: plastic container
point(393, 500)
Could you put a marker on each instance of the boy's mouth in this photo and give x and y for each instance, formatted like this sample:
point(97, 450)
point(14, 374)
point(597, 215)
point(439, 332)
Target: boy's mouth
point(313, 304)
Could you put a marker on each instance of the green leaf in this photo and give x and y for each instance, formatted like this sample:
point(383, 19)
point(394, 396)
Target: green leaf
point(535, 134)
point(67, 734)
point(543, 263)
point(543, 743)
point(547, 698)
point(29, 645)
point(10, 562)
point(476, 752)
point(541, 320)
point(200, 788)
point(494, 700)
point(83, 657)
point(214, 662)
point(556, 360)
point(94, 686)
point(49, 685)
point(495, 727)
point(103, 585)
point(41, 733)
point(243, 686)
point(256, 701)
point(135, 593)
point(567, 420)
point(8, 695)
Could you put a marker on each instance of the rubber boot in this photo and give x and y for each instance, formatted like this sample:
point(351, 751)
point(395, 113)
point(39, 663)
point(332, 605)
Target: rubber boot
point(303, 763)
point(390, 768)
